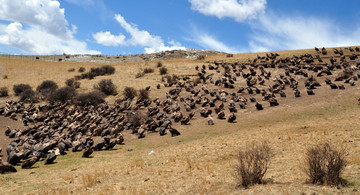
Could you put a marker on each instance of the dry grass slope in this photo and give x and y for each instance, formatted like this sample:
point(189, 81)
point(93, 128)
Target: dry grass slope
point(202, 159)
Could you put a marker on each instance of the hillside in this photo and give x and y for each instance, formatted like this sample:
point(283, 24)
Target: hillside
point(202, 158)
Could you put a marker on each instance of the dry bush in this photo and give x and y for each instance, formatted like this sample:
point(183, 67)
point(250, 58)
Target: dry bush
point(148, 70)
point(171, 78)
point(229, 55)
point(81, 69)
point(107, 87)
point(252, 165)
point(73, 83)
point(196, 81)
point(136, 119)
point(139, 74)
point(4, 92)
point(92, 98)
point(21, 88)
point(159, 64)
point(129, 92)
point(47, 87)
point(324, 164)
point(163, 70)
point(100, 71)
point(143, 94)
point(62, 95)
point(28, 96)
point(201, 57)
point(71, 70)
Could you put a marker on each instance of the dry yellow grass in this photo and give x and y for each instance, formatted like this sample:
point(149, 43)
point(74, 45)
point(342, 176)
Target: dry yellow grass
point(201, 160)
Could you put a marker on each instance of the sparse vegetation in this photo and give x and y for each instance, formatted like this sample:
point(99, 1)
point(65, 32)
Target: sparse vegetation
point(4, 92)
point(170, 78)
point(148, 70)
point(196, 81)
point(143, 94)
point(163, 70)
point(201, 57)
point(100, 71)
point(324, 164)
point(29, 96)
point(107, 87)
point(81, 69)
point(252, 165)
point(229, 55)
point(136, 119)
point(139, 74)
point(129, 92)
point(73, 83)
point(159, 64)
point(63, 94)
point(92, 98)
point(18, 89)
point(71, 70)
point(5, 76)
point(47, 87)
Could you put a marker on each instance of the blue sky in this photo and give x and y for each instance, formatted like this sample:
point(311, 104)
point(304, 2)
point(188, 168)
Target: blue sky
point(113, 27)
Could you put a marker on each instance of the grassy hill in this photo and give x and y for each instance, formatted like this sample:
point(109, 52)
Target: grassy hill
point(201, 160)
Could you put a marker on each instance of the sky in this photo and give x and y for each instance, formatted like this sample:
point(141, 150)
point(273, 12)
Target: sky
point(122, 27)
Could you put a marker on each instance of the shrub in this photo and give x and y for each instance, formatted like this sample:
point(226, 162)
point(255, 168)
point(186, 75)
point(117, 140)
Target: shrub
point(100, 71)
point(229, 55)
point(28, 96)
point(139, 74)
point(63, 94)
point(196, 81)
point(143, 94)
point(92, 98)
point(129, 92)
point(47, 87)
point(171, 78)
point(71, 69)
point(136, 119)
point(201, 57)
point(108, 69)
point(81, 69)
point(73, 83)
point(148, 70)
point(252, 165)
point(163, 70)
point(159, 64)
point(21, 88)
point(324, 164)
point(5, 76)
point(4, 92)
point(104, 70)
point(106, 86)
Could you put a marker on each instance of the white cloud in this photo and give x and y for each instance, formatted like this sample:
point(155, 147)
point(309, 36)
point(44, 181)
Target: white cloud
point(47, 29)
point(239, 10)
point(151, 43)
point(208, 41)
point(273, 32)
point(107, 39)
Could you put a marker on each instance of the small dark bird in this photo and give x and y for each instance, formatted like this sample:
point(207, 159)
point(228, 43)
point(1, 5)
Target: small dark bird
point(87, 152)
point(259, 106)
point(174, 132)
point(50, 158)
point(28, 163)
point(232, 118)
point(310, 92)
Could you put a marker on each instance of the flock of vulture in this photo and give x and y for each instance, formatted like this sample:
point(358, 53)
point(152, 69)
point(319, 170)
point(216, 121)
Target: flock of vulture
point(218, 90)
